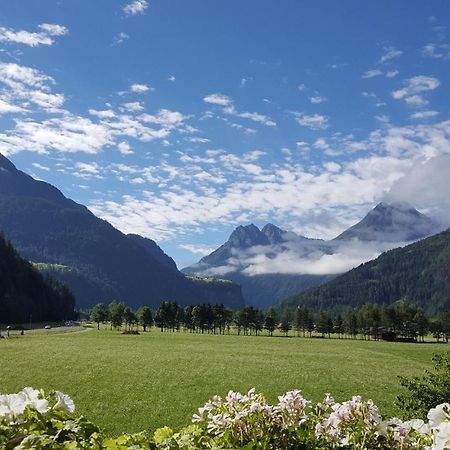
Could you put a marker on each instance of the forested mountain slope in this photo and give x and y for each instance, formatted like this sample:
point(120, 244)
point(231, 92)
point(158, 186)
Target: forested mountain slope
point(418, 273)
point(25, 294)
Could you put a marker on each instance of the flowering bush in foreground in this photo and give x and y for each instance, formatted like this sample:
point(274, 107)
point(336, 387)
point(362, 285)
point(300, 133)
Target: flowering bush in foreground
point(31, 420)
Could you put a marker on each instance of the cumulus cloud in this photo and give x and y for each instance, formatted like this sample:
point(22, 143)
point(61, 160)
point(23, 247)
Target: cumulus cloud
point(124, 148)
point(218, 99)
point(33, 39)
point(140, 88)
point(135, 7)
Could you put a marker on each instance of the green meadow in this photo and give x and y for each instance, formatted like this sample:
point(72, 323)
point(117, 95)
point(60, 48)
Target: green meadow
point(127, 383)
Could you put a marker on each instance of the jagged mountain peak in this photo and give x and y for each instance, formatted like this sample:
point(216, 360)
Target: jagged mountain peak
point(274, 234)
point(247, 236)
point(391, 222)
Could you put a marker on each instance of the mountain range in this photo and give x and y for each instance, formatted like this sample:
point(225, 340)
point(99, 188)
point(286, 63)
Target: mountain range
point(272, 264)
point(97, 261)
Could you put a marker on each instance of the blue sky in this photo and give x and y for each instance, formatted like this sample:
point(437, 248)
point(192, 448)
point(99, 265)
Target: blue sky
point(180, 120)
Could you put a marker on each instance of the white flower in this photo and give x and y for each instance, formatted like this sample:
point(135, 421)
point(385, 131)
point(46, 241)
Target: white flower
point(11, 406)
point(439, 414)
point(417, 424)
point(441, 439)
point(32, 398)
point(64, 402)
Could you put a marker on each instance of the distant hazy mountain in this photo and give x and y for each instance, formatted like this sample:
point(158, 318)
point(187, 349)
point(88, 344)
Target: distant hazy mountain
point(26, 295)
point(418, 273)
point(272, 263)
point(97, 261)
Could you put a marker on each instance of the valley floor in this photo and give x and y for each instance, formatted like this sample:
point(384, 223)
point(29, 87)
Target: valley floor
point(130, 383)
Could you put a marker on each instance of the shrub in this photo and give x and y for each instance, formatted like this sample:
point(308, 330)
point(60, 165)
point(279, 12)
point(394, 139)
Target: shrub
point(427, 391)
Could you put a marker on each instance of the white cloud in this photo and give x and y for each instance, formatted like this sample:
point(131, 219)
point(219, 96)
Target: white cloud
point(140, 88)
point(54, 29)
point(372, 73)
point(28, 86)
point(124, 148)
point(171, 78)
point(120, 38)
point(133, 106)
point(424, 115)
point(135, 7)
point(218, 99)
point(33, 39)
point(198, 140)
point(254, 116)
point(41, 167)
point(66, 134)
point(436, 51)
point(301, 87)
point(197, 249)
point(222, 189)
point(317, 99)
point(229, 109)
point(391, 53)
point(8, 108)
point(392, 73)
point(414, 86)
point(103, 114)
point(313, 121)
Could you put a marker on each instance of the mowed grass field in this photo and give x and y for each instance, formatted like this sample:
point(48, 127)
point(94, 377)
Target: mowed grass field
point(128, 383)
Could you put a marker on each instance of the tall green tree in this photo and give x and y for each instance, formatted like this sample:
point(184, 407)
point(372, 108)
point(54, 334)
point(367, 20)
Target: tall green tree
point(99, 314)
point(129, 317)
point(116, 313)
point(145, 317)
point(270, 321)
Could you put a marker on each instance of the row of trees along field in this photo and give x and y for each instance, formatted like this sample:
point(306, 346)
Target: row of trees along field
point(401, 320)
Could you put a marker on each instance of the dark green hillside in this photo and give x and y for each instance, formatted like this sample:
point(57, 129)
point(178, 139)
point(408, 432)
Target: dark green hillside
point(418, 273)
point(103, 263)
point(25, 293)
